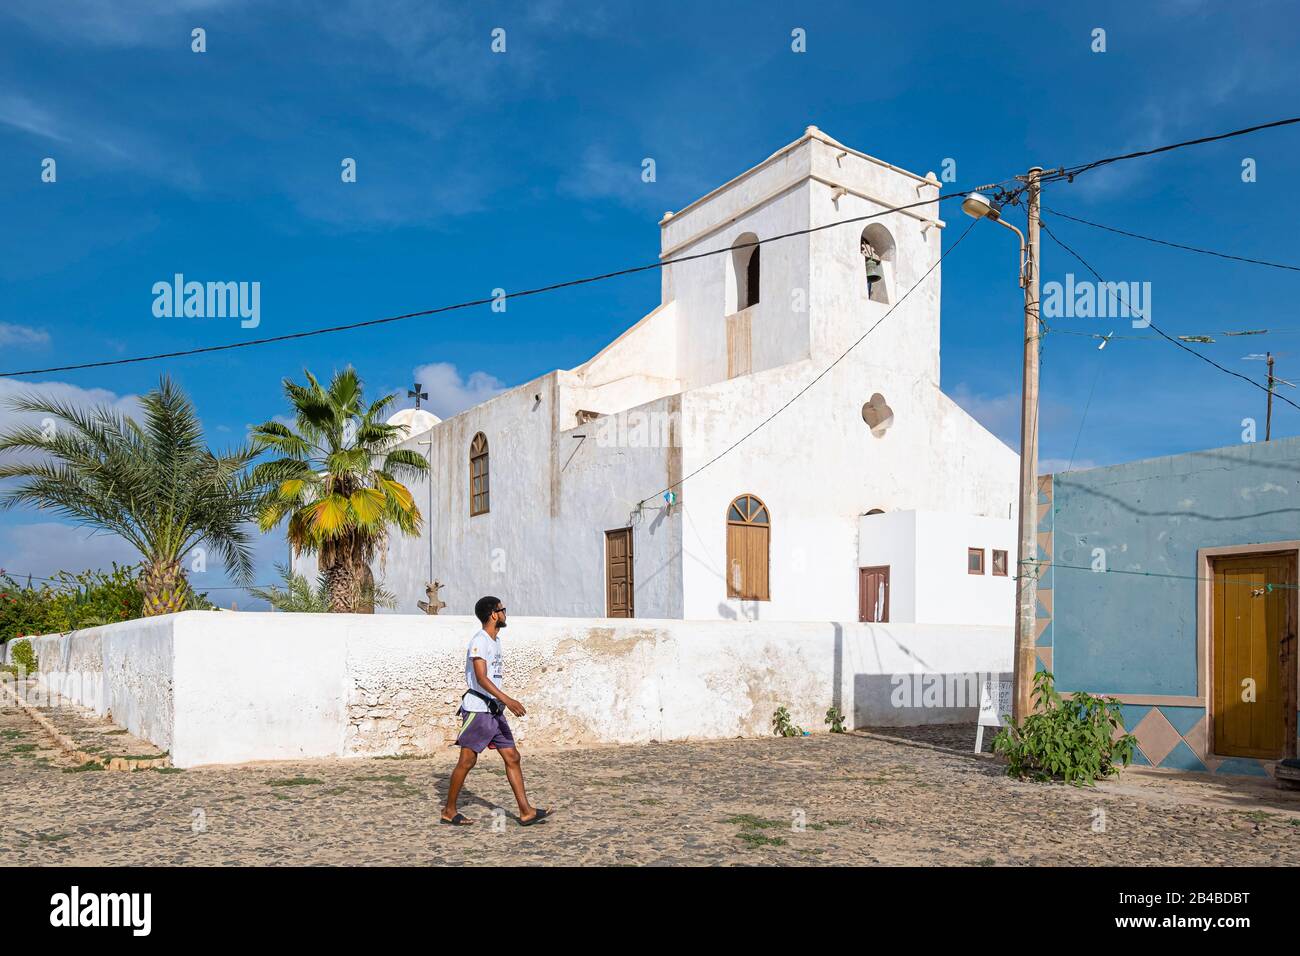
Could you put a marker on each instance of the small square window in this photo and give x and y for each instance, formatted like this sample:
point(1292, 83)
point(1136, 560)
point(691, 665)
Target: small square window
point(1000, 563)
point(975, 560)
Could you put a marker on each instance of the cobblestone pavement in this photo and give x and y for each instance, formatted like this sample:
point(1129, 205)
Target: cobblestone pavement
point(864, 800)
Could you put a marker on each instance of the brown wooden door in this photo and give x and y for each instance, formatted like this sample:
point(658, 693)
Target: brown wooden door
point(1252, 639)
point(873, 595)
point(618, 573)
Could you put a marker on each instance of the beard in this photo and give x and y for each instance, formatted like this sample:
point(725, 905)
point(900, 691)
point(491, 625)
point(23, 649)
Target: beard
point(501, 625)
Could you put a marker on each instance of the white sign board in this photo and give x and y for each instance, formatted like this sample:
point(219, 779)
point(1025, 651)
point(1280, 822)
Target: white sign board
point(994, 692)
point(995, 703)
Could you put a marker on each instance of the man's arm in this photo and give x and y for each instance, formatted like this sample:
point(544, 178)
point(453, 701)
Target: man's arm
point(480, 673)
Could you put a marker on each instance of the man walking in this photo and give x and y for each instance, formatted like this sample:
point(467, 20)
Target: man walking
point(482, 716)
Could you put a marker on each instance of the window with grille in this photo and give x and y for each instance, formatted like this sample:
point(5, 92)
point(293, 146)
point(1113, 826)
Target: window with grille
point(749, 528)
point(478, 475)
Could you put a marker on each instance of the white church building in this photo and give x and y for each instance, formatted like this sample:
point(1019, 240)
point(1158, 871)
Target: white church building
point(872, 496)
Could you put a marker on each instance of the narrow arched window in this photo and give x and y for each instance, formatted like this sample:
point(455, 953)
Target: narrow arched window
point(752, 283)
point(743, 274)
point(749, 528)
point(478, 475)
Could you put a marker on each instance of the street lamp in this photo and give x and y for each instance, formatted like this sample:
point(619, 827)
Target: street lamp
point(979, 206)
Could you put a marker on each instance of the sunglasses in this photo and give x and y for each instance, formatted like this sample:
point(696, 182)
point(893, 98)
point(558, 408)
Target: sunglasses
point(498, 610)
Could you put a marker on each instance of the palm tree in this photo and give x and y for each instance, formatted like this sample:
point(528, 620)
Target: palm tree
point(339, 506)
point(298, 595)
point(152, 482)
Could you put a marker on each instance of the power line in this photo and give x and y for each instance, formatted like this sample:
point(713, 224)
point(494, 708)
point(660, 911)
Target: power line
point(1268, 585)
point(71, 579)
point(1110, 336)
point(1069, 172)
point(1151, 325)
point(1174, 245)
point(820, 375)
point(1062, 173)
point(248, 343)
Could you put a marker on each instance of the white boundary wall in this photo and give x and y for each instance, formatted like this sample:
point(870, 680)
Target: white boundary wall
point(226, 688)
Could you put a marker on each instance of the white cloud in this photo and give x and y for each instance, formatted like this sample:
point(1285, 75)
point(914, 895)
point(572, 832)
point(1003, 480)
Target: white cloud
point(22, 335)
point(602, 176)
point(449, 393)
point(126, 23)
point(59, 391)
point(46, 547)
point(1000, 414)
point(21, 113)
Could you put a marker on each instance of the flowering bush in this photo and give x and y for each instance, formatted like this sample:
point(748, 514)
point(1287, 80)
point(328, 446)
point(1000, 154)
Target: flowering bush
point(67, 602)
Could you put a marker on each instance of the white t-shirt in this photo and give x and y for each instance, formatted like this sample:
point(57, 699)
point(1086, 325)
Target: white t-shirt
point(485, 646)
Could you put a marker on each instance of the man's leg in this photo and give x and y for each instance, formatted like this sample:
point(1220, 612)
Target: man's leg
point(515, 774)
point(463, 766)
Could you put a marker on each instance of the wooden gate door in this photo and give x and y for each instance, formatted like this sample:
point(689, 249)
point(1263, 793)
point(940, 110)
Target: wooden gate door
point(1253, 630)
point(618, 573)
point(873, 595)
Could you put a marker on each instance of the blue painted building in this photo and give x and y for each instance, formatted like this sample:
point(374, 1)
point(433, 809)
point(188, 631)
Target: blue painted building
point(1171, 584)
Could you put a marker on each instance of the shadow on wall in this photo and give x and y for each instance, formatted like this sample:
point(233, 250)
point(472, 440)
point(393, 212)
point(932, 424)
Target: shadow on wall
point(911, 700)
point(749, 611)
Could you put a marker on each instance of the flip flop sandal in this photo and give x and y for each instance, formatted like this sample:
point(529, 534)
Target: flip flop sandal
point(459, 820)
point(541, 815)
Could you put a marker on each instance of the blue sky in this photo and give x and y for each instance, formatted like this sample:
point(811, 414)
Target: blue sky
point(479, 170)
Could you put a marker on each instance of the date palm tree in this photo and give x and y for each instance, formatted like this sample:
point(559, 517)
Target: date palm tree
point(151, 481)
point(337, 483)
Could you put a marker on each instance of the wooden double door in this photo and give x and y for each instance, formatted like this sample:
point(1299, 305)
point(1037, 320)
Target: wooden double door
point(1253, 663)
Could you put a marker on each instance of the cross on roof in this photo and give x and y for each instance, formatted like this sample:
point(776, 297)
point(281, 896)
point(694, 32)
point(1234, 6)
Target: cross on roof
point(417, 394)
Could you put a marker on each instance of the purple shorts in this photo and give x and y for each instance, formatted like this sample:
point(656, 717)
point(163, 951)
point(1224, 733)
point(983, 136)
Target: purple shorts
point(480, 730)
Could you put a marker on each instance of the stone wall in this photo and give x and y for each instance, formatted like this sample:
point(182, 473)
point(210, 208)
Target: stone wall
point(226, 688)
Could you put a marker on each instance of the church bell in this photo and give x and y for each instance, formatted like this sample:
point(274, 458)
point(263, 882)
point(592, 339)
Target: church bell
point(874, 272)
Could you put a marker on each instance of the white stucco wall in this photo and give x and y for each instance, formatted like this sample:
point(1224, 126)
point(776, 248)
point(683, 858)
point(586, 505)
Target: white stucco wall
point(124, 670)
point(928, 581)
point(889, 540)
point(818, 470)
point(946, 593)
point(219, 687)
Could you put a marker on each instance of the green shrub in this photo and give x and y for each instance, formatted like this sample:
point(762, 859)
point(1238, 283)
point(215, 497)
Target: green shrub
point(782, 726)
point(23, 657)
point(1072, 740)
point(835, 719)
point(68, 602)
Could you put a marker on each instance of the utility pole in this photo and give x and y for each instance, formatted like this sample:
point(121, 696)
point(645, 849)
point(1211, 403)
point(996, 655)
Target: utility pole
point(978, 206)
point(1027, 593)
point(1268, 420)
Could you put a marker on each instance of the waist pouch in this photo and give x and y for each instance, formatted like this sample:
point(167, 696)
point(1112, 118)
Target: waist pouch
point(493, 705)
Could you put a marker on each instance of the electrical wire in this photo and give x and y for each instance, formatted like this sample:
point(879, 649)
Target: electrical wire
point(1174, 245)
point(1069, 172)
point(586, 280)
point(1151, 325)
point(18, 576)
point(1268, 585)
